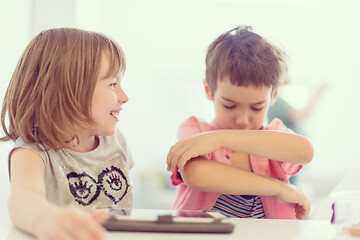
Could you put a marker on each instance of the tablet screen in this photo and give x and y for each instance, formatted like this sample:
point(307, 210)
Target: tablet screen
point(152, 214)
point(162, 220)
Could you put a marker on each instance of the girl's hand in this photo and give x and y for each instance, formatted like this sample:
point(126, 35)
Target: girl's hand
point(191, 147)
point(292, 196)
point(72, 223)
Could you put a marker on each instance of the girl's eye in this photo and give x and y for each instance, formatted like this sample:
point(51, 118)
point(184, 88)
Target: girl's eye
point(229, 107)
point(112, 85)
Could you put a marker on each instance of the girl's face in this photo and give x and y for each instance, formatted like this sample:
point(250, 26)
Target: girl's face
point(238, 107)
point(107, 100)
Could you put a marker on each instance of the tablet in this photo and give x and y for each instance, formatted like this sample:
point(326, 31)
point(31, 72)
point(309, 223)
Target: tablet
point(161, 220)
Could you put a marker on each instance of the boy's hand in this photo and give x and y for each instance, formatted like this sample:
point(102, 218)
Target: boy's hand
point(191, 147)
point(292, 196)
point(72, 223)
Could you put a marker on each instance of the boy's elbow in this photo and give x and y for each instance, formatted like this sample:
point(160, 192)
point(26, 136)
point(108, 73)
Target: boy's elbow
point(191, 175)
point(308, 154)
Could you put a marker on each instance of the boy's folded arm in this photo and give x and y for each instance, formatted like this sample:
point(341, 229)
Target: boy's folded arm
point(275, 145)
point(211, 176)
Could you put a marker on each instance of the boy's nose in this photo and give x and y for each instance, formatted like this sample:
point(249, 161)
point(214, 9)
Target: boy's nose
point(242, 121)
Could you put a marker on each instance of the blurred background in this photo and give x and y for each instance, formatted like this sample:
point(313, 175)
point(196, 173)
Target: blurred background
point(165, 43)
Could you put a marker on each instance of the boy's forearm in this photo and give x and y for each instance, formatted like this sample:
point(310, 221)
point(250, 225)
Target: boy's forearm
point(211, 176)
point(275, 145)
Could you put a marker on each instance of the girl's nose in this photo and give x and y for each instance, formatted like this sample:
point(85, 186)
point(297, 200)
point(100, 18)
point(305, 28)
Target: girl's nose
point(122, 97)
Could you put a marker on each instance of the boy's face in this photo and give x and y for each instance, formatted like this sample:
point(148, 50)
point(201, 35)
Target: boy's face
point(241, 107)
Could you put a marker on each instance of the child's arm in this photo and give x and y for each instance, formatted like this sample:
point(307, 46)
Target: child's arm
point(275, 145)
point(32, 213)
point(211, 176)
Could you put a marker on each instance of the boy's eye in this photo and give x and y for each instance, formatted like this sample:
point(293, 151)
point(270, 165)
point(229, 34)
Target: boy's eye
point(229, 107)
point(256, 109)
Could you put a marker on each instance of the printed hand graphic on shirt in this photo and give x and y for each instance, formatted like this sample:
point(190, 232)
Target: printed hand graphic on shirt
point(113, 183)
point(85, 189)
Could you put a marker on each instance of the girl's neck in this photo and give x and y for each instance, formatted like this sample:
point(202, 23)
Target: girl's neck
point(85, 144)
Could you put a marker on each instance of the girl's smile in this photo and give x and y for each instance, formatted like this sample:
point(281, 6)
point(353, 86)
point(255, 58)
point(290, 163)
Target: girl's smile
point(107, 100)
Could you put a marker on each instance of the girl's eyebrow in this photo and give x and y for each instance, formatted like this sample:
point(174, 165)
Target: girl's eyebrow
point(229, 100)
point(116, 75)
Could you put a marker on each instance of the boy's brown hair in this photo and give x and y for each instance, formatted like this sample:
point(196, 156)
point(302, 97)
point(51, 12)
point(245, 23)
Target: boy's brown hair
point(53, 83)
point(247, 58)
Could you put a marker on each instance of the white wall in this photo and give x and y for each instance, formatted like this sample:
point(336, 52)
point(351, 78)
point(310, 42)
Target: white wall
point(13, 38)
point(165, 43)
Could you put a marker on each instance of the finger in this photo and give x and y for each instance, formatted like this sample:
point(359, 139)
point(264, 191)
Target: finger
point(174, 164)
point(85, 227)
point(291, 205)
point(307, 207)
point(302, 211)
point(301, 215)
point(175, 160)
point(84, 234)
point(90, 230)
point(181, 166)
point(67, 228)
point(66, 231)
point(62, 235)
point(101, 215)
point(307, 210)
point(170, 157)
point(183, 160)
point(168, 160)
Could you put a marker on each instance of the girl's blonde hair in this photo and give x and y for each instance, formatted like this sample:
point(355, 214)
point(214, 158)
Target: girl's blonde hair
point(53, 83)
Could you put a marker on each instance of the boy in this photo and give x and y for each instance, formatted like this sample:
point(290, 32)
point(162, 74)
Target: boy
point(235, 165)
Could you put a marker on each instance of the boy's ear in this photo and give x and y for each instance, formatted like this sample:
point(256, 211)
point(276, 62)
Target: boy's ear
point(273, 97)
point(207, 90)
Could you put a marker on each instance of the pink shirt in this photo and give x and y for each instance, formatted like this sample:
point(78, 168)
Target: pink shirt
point(191, 199)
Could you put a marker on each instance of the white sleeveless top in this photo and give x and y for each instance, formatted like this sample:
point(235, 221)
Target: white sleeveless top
point(90, 179)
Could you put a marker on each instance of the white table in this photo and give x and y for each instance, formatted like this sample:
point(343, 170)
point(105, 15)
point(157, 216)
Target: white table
point(244, 229)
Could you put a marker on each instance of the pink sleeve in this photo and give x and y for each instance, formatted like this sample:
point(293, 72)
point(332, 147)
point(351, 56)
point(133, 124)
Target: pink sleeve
point(289, 168)
point(188, 128)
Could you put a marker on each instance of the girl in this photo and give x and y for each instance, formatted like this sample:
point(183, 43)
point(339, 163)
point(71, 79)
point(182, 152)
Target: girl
point(60, 109)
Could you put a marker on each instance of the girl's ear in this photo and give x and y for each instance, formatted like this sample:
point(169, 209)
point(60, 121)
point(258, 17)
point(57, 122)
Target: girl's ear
point(207, 90)
point(273, 97)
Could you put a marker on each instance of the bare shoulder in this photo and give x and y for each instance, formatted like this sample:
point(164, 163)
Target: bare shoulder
point(23, 153)
point(24, 162)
